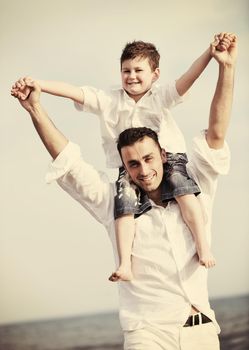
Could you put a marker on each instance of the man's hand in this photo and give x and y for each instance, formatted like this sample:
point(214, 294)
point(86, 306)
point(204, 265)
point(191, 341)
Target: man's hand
point(224, 48)
point(27, 91)
point(20, 88)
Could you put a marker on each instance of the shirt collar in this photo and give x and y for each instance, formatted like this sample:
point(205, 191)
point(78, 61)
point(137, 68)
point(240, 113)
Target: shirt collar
point(119, 88)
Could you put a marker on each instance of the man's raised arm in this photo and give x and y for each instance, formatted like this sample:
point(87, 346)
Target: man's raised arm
point(51, 137)
point(222, 101)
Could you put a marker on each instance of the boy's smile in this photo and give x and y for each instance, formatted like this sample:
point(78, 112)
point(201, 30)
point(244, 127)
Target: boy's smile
point(137, 77)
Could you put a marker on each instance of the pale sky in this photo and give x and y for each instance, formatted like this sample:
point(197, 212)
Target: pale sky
point(54, 258)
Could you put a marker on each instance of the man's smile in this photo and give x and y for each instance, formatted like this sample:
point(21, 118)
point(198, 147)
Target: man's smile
point(146, 179)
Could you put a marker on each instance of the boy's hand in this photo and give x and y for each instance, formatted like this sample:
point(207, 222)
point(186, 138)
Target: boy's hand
point(224, 48)
point(20, 89)
point(33, 97)
point(224, 39)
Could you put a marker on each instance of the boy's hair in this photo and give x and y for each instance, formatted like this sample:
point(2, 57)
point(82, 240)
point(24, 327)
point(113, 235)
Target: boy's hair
point(141, 49)
point(130, 136)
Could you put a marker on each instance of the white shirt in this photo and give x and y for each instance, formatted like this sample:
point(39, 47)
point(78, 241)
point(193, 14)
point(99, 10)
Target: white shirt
point(168, 278)
point(117, 112)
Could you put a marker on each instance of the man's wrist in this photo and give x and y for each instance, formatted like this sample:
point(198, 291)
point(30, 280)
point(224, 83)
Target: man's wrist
point(34, 108)
point(227, 65)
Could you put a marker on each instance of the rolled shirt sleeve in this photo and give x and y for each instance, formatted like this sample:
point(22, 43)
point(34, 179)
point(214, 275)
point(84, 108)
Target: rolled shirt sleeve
point(63, 162)
point(170, 95)
point(95, 100)
point(206, 164)
point(81, 181)
point(217, 160)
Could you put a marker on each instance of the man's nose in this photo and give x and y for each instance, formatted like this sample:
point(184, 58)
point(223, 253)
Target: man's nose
point(144, 169)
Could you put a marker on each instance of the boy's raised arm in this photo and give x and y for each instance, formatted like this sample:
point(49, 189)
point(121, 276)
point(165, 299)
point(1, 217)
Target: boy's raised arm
point(21, 90)
point(188, 78)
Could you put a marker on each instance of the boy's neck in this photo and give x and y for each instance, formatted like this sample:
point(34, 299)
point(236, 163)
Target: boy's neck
point(136, 98)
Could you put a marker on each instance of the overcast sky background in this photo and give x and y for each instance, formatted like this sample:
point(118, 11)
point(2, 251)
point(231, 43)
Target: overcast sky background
point(54, 258)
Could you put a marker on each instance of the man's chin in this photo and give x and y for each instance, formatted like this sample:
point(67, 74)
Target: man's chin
point(147, 188)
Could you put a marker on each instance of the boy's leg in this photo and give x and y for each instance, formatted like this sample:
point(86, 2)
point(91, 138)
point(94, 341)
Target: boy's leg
point(129, 203)
point(125, 231)
point(193, 217)
point(125, 206)
point(181, 187)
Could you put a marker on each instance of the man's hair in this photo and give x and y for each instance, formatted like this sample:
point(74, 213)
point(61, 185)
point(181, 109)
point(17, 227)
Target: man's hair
point(141, 49)
point(130, 136)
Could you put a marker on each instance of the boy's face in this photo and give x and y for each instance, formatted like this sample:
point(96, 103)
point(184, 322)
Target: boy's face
point(144, 163)
point(137, 77)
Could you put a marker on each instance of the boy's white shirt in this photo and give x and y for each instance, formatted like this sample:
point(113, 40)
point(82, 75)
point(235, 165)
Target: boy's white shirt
point(168, 278)
point(117, 112)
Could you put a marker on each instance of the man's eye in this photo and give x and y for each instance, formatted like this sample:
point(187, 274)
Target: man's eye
point(133, 165)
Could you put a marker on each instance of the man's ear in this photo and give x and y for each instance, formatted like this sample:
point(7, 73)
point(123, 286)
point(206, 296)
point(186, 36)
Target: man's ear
point(156, 74)
point(163, 155)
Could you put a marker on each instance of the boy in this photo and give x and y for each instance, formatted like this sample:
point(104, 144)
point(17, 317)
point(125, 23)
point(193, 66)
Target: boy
point(141, 103)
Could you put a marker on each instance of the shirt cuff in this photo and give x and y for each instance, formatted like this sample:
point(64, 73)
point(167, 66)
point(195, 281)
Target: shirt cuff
point(80, 106)
point(178, 97)
point(218, 159)
point(63, 162)
point(171, 96)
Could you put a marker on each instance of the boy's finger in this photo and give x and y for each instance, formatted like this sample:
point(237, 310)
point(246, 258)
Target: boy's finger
point(221, 35)
point(28, 79)
point(232, 37)
point(18, 84)
point(21, 81)
point(13, 92)
point(214, 43)
point(224, 45)
point(226, 40)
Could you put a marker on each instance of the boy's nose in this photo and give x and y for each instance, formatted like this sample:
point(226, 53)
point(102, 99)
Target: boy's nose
point(132, 75)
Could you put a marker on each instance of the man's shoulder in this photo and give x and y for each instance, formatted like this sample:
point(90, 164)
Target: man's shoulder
point(89, 186)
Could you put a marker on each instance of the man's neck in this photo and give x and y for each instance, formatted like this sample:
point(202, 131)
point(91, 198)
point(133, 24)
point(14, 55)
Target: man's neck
point(156, 197)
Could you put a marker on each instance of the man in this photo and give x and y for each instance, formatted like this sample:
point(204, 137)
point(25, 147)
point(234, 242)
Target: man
point(166, 305)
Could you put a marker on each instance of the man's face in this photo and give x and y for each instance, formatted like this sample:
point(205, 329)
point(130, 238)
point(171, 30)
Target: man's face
point(144, 163)
point(137, 77)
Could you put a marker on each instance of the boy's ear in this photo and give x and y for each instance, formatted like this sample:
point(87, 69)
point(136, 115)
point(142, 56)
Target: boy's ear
point(156, 74)
point(163, 155)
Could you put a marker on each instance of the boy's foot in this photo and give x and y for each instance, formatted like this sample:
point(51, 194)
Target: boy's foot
point(121, 275)
point(207, 259)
